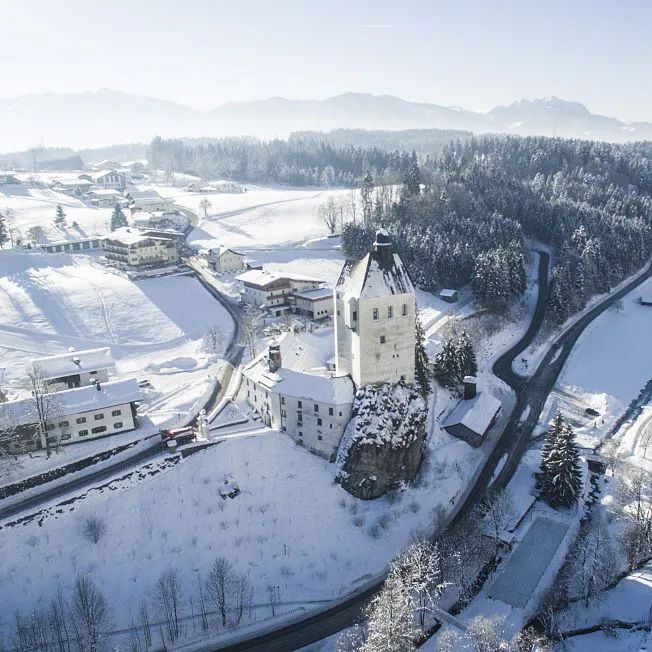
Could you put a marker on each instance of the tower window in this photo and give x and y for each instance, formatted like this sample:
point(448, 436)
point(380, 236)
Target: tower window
point(375, 314)
point(390, 312)
point(355, 315)
point(382, 339)
point(405, 310)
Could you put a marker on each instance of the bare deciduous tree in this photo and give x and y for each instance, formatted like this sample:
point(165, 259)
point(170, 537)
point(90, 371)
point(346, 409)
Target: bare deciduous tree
point(144, 621)
point(328, 214)
point(91, 612)
point(498, 510)
point(205, 205)
point(93, 529)
point(220, 585)
point(167, 594)
point(249, 329)
point(45, 407)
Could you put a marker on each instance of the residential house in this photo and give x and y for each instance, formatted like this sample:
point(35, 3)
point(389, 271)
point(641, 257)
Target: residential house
point(74, 368)
point(129, 248)
point(316, 304)
point(272, 291)
point(222, 259)
point(73, 187)
point(148, 200)
point(107, 179)
point(106, 165)
point(73, 415)
point(103, 197)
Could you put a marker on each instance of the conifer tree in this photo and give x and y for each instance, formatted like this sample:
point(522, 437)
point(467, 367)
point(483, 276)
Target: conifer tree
point(422, 368)
point(118, 218)
point(4, 231)
point(445, 367)
point(556, 426)
point(60, 217)
point(412, 177)
point(467, 361)
point(563, 479)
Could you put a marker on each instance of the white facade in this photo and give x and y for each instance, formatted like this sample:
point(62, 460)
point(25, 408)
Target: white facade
point(127, 248)
point(221, 259)
point(299, 397)
point(375, 318)
point(317, 304)
point(73, 415)
point(74, 368)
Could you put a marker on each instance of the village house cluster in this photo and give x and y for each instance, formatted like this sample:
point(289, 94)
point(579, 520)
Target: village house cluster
point(73, 400)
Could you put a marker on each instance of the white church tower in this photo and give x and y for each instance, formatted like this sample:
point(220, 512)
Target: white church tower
point(375, 318)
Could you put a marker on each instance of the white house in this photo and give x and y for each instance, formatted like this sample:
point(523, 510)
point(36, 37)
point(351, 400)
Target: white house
point(74, 187)
point(130, 248)
point(290, 387)
point(273, 291)
point(375, 318)
point(74, 368)
point(316, 304)
point(106, 165)
point(148, 200)
point(103, 197)
point(222, 259)
point(106, 179)
point(73, 415)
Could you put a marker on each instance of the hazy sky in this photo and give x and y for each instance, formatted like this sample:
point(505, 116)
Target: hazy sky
point(203, 53)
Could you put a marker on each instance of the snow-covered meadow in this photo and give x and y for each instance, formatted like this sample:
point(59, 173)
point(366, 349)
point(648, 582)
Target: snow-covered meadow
point(49, 302)
point(36, 207)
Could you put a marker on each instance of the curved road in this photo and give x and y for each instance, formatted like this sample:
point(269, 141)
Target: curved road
point(232, 355)
point(514, 441)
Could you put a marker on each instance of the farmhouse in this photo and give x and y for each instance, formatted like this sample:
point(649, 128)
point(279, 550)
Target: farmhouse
point(375, 318)
point(106, 179)
point(72, 415)
point(222, 259)
point(472, 418)
point(106, 165)
point(290, 388)
point(74, 368)
point(272, 291)
point(130, 248)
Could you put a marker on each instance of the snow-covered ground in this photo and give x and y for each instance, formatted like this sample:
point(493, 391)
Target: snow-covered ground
point(49, 302)
point(610, 364)
point(36, 207)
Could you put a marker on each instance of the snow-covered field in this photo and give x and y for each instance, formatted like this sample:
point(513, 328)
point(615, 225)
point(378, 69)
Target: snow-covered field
point(49, 302)
point(259, 218)
point(610, 364)
point(36, 207)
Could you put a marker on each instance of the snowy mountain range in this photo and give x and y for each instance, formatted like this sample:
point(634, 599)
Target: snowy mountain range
point(106, 117)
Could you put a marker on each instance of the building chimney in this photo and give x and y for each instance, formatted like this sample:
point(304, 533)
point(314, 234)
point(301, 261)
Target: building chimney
point(470, 387)
point(274, 356)
point(383, 248)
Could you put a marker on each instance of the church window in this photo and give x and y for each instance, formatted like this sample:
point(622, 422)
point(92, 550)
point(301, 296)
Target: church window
point(375, 314)
point(382, 339)
point(355, 315)
point(330, 411)
point(319, 422)
point(390, 312)
point(319, 437)
point(316, 407)
point(299, 405)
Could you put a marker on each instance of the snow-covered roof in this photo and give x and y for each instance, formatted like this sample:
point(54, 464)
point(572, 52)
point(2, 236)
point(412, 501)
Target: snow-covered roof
point(104, 173)
point(220, 250)
point(104, 192)
point(129, 236)
point(71, 402)
point(263, 278)
point(72, 183)
point(336, 390)
point(300, 355)
point(316, 295)
point(73, 362)
point(476, 413)
point(380, 273)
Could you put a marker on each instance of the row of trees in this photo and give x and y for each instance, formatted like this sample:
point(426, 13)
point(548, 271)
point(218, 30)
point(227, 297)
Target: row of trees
point(83, 621)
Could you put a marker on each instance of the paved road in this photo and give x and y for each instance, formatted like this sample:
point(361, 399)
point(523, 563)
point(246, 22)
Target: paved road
point(513, 442)
point(233, 356)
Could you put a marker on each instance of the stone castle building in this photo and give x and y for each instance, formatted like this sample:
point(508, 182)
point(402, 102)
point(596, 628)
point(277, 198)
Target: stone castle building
point(296, 388)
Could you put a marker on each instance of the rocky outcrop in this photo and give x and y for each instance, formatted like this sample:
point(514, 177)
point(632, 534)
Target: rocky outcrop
point(383, 445)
